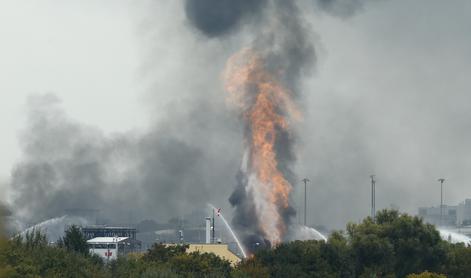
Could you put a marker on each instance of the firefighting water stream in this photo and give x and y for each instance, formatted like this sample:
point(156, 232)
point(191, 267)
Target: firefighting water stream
point(54, 227)
point(234, 236)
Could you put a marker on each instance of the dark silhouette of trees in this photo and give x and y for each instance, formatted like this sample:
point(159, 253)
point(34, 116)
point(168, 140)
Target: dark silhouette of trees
point(74, 241)
point(394, 245)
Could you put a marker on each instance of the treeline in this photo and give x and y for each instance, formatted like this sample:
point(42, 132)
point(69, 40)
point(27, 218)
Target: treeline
point(394, 245)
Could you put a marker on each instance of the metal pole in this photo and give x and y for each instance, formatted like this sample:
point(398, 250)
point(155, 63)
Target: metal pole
point(214, 228)
point(441, 180)
point(373, 196)
point(305, 180)
point(305, 202)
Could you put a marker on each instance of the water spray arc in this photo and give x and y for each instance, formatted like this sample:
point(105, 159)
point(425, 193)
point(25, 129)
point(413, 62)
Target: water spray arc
point(234, 236)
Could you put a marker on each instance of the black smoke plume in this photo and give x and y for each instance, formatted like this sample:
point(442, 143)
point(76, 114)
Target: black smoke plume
point(341, 8)
point(218, 17)
point(283, 41)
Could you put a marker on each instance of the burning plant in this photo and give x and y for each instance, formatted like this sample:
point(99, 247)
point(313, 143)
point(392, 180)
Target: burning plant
point(262, 83)
point(266, 108)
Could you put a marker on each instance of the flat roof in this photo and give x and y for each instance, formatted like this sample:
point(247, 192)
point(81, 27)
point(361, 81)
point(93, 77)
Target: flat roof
point(106, 239)
point(220, 250)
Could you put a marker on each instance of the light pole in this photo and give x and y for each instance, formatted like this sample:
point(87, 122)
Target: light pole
point(305, 180)
point(213, 230)
point(373, 197)
point(441, 180)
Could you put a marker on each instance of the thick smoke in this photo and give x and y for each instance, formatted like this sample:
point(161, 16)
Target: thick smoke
point(288, 54)
point(218, 17)
point(179, 164)
point(128, 177)
point(284, 44)
point(341, 8)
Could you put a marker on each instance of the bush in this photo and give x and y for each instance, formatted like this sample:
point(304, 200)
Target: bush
point(30, 256)
point(395, 245)
point(74, 241)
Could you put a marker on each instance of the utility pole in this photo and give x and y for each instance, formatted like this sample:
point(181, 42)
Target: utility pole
point(305, 180)
point(213, 230)
point(441, 180)
point(373, 197)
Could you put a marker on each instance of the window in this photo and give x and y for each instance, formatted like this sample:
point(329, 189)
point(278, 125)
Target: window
point(102, 246)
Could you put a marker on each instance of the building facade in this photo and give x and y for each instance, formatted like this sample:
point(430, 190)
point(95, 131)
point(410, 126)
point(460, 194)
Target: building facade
point(106, 231)
point(463, 215)
point(434, 216)
point(109, 248)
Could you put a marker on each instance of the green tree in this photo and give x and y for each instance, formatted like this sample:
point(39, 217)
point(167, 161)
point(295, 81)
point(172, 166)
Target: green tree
point(251, 268)
point(74, 240)
point(458, 261)
point(31, 256)
point(163, 253)
point(396, 243)
point(5, 269)
point(198, 264)
point(300, 259)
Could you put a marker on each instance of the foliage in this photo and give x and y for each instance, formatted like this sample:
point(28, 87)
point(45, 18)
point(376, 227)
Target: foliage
point(163, 253)
point(30, 256)
point(458, 261)
point(5, 269)
point(394, 245)
point(170, 261)
point(74, 241)
point(251, 268)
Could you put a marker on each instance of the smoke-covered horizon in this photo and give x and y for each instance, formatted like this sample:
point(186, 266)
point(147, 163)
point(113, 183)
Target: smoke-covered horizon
point(70, 165)
point(386, 96)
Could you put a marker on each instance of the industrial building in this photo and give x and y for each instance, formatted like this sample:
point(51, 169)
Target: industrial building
point(108, 231)
point(439, 217)
point(111, 242)
point(451, 216)
point(109, 248)
point(463, 214)
point(220, 250)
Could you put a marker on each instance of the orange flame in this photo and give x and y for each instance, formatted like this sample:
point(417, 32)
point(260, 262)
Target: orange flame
point(267, 107)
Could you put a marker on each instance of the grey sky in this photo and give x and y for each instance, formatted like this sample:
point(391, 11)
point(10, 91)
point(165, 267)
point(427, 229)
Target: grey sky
point(85, 52)
point(390, 93)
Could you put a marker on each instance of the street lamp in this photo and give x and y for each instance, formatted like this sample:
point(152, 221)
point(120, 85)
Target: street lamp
point(441, 180)
point(373, 197)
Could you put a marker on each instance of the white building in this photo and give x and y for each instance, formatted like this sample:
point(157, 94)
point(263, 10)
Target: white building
point(445, 216)
point(109, 248)
point(463, 214)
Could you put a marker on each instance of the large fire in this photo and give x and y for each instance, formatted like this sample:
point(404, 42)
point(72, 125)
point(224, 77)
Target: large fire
point(267, 109)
